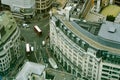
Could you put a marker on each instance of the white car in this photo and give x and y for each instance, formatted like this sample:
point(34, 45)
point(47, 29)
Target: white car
point(32, 48)
point(25, 25)
point(43, 43)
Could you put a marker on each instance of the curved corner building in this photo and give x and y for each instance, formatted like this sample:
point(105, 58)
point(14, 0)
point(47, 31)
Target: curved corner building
point(9, 40)
point(88, 50)
point(43, 6)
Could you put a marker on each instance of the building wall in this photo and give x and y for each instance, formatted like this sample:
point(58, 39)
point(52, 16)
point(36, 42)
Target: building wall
point(9, 49)
point(73, 57)
point(109, 71)
point(7, 57)
point(76, 55)
point(86, 8)
point(43, 5)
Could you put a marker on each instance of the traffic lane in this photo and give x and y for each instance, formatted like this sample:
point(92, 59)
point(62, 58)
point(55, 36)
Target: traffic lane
point(30, 35)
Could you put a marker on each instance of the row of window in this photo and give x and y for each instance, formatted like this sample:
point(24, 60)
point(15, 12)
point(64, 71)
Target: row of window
point(67, 49)
point(13, 38)
point(107, 77)
point(70, 67)
point(74, 38)
point(111, 68)
point(110, 72)
point(43, 5)
point(70, 44)
point(4, 62)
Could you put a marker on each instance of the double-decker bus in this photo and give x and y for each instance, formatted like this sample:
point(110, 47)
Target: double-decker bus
point(37, 30)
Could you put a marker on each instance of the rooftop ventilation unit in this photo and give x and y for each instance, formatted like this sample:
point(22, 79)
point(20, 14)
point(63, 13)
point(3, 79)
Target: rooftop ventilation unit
point(112, 29)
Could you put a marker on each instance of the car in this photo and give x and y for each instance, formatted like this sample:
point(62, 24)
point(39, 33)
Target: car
point(32, 48)
point(43, 43)
point(25, 25)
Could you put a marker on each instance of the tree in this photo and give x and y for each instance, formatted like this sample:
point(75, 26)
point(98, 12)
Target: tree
point(110, 18)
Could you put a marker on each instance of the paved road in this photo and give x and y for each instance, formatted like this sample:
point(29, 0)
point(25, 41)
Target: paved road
point(34, 40)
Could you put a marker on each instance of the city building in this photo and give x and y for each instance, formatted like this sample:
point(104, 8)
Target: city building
point(43, 6)
point(86, 49)
point(100, 4)
point(20, 8)
point(31, 71)
point(9, 40)
point(35, 71)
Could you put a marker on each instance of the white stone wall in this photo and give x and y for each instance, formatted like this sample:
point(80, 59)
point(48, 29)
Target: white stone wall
point(109, 71)
point(6, 59)
point(74, 53)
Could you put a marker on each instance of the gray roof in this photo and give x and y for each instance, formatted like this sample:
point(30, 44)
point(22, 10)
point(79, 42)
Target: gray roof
point(110, 31)
point(28, 69)
point(94, 41)
point(96, 38)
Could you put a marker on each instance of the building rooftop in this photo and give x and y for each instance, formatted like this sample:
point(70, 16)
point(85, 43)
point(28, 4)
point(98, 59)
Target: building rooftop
point(28, 69)
point(93, 40)
point(89, 26)
point(110, 31)
point(59, 75)
point(7, 21)
point(7, 27)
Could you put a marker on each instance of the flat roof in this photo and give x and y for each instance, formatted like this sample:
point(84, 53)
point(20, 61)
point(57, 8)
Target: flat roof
point(28, 69)
point(110, 31)
point(60, 75)
point(7, 21)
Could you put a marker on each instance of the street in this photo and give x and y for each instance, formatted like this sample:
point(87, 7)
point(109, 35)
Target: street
point(31, 37)
point(40, 53)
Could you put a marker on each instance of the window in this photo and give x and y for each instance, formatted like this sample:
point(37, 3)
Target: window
point(77, 40)
point(73, 37)
point(103, 78)
point(116, 69)
point(104, 66)
point(1, 48)
point(68, 32)
point(105, 70)
point(104, 74)
point(115, 77)
point(83, 44)
point(38, 5)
